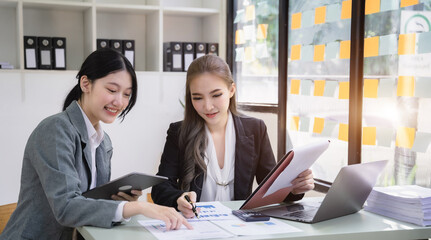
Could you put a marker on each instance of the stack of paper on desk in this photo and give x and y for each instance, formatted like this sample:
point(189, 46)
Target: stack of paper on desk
point(409, 203)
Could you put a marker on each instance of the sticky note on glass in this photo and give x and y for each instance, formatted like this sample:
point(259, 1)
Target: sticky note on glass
point(304, 124)
point(294, 123)
point(306, 87)
point(372, 6)
point(406, 3)
point(371, 47)
point(345, 49)
point(369, 136)
point(307, 53)
point(319, 53)
point(294, 86)
point(319, 87)
point(239, 16)
point(296, 21)
point(250, 13)
point(406, 44)
point(239, 54)
point(386, 5)
point(262, 30)
point(318, 125)
point(423, 87)
point(406, 86)
point(330, 87)
point(331, 50)
point(319, 15)
point(405, 137)
point(343, 92)
point(307, 18)
point(343, 132)
point(262, 50)
point(388, 44)
point(384, 136)
point(422, 141)
point(249, 32)
point(346, 9)
point(239, 37)
point(249, 54)
point(424, 41)
point(370, 88)
point(387, 87)
point(328, 128)
point(333, 12)
point(295, 52)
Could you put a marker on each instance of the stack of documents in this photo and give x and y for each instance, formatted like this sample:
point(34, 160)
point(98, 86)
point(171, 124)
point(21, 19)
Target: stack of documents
point(409, 203)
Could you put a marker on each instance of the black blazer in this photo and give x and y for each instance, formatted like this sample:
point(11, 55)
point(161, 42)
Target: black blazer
point(253, 157)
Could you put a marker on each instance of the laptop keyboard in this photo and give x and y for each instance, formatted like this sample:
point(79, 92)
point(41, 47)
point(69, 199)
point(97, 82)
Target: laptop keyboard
point(302, 214)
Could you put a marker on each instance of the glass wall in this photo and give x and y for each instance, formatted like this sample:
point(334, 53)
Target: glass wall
point(318, 79)
point(255, 46)
point(397, 89)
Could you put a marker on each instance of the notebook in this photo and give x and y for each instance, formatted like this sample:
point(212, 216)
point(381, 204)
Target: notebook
point(347, 195)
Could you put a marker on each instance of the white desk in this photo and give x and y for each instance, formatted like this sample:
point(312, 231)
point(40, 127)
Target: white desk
point(359, 226)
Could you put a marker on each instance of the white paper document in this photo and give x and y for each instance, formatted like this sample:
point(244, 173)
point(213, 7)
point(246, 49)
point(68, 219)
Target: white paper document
point(201, 230)
point(303, 158)
point(241, 228)
point(212, 211)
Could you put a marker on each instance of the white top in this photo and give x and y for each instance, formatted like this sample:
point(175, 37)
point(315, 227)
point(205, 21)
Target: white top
point(96, 137)
point(218, 183)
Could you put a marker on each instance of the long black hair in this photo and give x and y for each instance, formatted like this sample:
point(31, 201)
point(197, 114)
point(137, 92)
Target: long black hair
point(99, 64)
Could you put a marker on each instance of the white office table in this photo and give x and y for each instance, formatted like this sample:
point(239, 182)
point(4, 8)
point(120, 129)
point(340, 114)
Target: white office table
point(358, 226)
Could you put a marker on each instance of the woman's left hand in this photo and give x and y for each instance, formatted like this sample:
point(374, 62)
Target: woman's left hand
point(303, 183)
point(121, 196)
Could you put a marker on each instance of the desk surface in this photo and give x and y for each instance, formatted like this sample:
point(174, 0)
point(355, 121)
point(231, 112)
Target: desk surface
point(358, 226)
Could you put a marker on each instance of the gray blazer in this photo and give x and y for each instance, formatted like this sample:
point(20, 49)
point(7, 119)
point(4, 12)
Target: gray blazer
point(56, 169)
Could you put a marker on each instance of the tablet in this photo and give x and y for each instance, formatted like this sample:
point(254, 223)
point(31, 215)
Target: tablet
point(131, 181)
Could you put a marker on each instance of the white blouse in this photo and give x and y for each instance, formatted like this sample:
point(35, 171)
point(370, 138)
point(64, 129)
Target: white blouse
point(218, 183)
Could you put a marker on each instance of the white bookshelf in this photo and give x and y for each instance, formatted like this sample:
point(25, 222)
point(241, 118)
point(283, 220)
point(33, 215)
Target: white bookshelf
point(148, 22)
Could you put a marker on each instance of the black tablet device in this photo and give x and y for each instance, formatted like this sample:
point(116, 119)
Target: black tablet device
point(131, 181)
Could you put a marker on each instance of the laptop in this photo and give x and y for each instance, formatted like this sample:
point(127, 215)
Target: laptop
point(347, 195)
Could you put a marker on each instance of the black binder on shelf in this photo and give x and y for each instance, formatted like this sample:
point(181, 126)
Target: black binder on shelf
point(189, 54)
point(59, 53)
point(129, 50)
point(212, 48)
point(45, 52)
point(116, 44)
point(30, 52)
point(102, 43)
point(172, 57)
point(200, 49)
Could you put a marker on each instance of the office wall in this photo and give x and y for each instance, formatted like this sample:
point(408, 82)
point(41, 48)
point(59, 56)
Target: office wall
point(138, 141)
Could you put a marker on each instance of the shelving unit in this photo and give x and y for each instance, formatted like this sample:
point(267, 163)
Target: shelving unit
point(149, 23)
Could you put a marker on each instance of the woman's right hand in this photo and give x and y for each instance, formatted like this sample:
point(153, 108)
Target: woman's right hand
point(172, 218)
point(184, 206)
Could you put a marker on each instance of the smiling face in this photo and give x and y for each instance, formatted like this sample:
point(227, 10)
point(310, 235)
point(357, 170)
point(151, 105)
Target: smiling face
point(210, 98)
point(105, 98)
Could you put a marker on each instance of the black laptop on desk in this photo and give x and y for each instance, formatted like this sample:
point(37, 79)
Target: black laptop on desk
point(347, 195)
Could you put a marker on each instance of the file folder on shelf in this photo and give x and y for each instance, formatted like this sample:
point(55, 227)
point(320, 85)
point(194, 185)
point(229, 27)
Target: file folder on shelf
point(30, 52)
point(117, 45)
point(129, 50)
point(102, 43)
point(45, 52)
point(189, 54)
point(200, 49)
point(172, 57)
point(59, 52)
point(212, 48)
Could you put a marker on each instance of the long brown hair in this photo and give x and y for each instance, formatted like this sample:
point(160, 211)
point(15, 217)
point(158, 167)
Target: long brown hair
point(192, 136)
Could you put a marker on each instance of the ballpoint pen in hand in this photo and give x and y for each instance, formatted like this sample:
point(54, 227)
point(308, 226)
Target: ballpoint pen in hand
point(193, 206)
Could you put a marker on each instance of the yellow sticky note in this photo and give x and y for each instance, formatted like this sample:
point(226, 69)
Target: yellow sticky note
point(318, 125)
point(250, 13)
point(294, 86)
point(295, 52)
point(294, 124)
point(320, 15)
point(343, 132)
point(370, 88)
point(372, 6)
point(345, 49)
point(369, 136)
point(262, 30)
point(296, 20)
point(319, 53)
point(406, 44)
point(343, 92)
point(248, 54)
point(371, 47)
point(319, 87)
point(239, 36)
point(405, 137)
point(346, 9)
point(406, 3)
point(406, 86)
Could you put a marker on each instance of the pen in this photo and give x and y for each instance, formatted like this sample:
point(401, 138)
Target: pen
point(193, 206)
